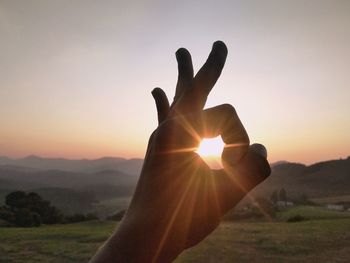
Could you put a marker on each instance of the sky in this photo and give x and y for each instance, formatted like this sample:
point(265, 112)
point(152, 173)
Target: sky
point(76, 76)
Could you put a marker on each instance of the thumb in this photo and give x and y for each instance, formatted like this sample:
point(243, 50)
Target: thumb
point(252, 169)
point(236, 180)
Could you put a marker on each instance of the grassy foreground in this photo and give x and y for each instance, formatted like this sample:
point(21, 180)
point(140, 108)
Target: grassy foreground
point(309, 241)
point(325, 240)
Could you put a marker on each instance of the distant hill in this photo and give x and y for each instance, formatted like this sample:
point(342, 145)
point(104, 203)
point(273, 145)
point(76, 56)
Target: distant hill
point(71, 192)
point(323, 179)
point(278, 163)
point(131, 166)
point(67, 200)
point(328, 178)
point(28, 178)
point(74, 188)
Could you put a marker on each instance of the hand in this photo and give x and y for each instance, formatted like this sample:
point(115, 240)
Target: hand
point(179, 200)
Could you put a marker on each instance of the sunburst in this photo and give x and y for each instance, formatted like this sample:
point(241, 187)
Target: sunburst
point(210, 150)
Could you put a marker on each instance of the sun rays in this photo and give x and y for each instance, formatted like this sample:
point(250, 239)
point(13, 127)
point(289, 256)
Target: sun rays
point(210, 151)
point(211, 147)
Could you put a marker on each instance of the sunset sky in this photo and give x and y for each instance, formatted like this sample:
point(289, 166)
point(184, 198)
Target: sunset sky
point(76, 76)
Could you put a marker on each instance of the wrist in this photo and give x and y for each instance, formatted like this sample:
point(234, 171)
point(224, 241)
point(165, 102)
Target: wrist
point(138, 238)
point(143, 236)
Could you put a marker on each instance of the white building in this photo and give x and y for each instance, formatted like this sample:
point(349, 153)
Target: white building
point(335, 207)
point(284, 203)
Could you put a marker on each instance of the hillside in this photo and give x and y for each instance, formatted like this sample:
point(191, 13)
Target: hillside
point(31, 178)
point(323, 179)
point(107, 189)
point(129, 166)
point(71, 192)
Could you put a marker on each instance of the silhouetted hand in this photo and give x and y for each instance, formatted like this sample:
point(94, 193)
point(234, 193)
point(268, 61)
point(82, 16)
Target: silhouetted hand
point(179, 200)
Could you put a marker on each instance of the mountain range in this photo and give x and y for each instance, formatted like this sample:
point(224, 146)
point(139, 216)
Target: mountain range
point(129, 166)
point(327, 178)
point(79, 183)
point(72, 185)
point(320, 180)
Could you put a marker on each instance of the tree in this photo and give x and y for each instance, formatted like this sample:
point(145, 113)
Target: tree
point(76, 218)
point(274, 197)
point(118, 216)
point(6, 214)
point(51, 215)
point(26, 218)
point(16, 200)
point(282, 196)
point(91, 216)
point(29, 210)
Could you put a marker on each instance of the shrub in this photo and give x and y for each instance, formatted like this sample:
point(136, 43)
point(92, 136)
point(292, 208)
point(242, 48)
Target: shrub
point(296, 218)
point(91, 216)
point(6, 214)
point(25, 218)
point(118, 216)
point(75, 218)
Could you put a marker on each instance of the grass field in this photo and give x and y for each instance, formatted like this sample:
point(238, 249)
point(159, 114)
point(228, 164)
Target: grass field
point(311, 212)
point(315, 240)
point(332, 199)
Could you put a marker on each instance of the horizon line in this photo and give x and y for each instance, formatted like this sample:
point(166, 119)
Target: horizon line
point(138, 158)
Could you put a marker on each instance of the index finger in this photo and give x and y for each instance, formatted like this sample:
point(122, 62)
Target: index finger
point(222, 120)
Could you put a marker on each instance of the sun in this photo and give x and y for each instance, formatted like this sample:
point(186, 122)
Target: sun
point(210, 150)
point(211, 147)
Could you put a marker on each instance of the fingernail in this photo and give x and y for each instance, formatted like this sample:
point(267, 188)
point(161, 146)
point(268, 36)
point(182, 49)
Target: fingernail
point(219, 45)
point(154, 92)
point(181, 52)
point(259, 149)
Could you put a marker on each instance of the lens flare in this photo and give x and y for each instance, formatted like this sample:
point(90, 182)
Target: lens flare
point(210, 150)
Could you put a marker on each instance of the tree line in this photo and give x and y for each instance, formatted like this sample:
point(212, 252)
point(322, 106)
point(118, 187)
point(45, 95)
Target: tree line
point(30, 209)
